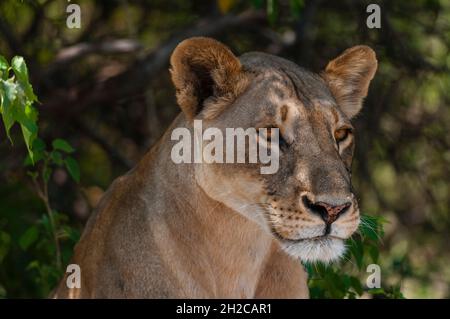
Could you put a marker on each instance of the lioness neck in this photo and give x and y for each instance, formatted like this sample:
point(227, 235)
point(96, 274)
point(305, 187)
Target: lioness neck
point(203, 242)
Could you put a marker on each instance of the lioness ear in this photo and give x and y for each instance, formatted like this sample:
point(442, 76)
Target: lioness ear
point(202, 68)
point(349, 76)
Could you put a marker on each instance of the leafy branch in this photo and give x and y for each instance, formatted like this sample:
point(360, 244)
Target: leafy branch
point(17, 98)
point(17, 106)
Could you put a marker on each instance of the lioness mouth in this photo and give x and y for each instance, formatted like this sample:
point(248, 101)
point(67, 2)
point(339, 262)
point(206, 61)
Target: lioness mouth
point(320, 238)
point(316, 238)
point(325, 248)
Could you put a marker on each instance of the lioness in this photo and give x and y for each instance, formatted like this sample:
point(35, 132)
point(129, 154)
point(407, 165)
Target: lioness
point(167, 230)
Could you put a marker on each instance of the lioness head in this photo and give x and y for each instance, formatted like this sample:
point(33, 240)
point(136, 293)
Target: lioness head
point(308, 203)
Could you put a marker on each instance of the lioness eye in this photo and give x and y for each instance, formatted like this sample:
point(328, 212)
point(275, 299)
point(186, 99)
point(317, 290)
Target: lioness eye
point(282, 143)
point(342, 134)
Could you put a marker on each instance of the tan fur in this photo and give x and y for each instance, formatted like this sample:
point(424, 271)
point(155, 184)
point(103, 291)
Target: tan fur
point(167, 230)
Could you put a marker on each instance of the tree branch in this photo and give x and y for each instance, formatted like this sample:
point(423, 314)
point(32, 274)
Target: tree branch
point(140, 73)
point(80, 50)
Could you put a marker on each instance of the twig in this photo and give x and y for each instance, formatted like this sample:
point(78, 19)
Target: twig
point(43, 195)
point(78, 51)
point(138, 75)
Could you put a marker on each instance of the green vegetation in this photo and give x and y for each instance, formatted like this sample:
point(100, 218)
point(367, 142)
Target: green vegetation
point(104, 91)
point(44, 238)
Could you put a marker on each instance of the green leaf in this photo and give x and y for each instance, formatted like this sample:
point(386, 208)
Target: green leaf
point(72, 168)
point(374, 253)
point(356, 285)
point(62, 145)
point(377, 291)
point(29, 133)
point(56, 158)
point(8, 93)
point(16, 103)
point(29, 237)
point(4, 66)
point(371, 228)
point(20, 70)
point(38, 152)
point(36, 158)
point(27, 118)
point(39, 145)
point(357, 249)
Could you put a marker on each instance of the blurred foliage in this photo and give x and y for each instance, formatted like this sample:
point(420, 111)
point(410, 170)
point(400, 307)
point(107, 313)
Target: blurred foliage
point(43, 237)
point(344, 279)
point(105, 90)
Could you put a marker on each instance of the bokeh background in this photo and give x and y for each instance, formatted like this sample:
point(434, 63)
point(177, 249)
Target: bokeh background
point(105, 88)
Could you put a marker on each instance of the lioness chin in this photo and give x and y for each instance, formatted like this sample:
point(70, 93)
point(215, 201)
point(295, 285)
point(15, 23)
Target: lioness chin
point(226, 230)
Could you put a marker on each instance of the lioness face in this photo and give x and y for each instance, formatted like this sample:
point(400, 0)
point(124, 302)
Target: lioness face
point(308, 203)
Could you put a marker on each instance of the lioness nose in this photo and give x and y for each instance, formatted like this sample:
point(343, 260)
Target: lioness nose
point(328, 212)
